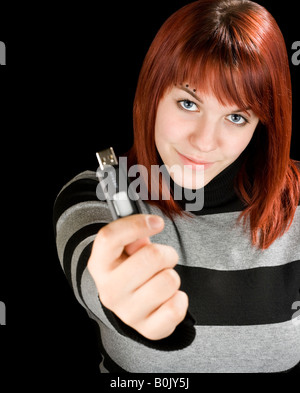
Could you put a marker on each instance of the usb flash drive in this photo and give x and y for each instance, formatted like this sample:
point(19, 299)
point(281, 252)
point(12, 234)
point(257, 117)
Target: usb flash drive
point(115, 185)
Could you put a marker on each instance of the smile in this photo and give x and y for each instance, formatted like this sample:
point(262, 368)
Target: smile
point(195, 163)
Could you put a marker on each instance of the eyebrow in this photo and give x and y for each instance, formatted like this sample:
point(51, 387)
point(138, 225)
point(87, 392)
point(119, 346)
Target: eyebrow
point(186, 89)
point(191, 93)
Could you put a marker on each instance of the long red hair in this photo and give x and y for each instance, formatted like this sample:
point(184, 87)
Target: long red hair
point(236, 49)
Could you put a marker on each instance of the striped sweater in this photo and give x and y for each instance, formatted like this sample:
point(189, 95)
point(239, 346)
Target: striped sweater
point(243, 301)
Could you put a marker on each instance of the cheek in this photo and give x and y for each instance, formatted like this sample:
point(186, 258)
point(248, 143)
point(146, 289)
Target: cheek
point(234, 146)
point(168, 125)
point(168, 130)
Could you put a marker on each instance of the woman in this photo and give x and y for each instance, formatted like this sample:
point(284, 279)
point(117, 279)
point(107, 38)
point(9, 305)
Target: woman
point(216, 289)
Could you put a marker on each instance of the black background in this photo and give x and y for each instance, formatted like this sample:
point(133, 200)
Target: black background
point(67, 92)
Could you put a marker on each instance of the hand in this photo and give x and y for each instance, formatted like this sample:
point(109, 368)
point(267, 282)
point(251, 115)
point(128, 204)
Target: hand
point(135, 278)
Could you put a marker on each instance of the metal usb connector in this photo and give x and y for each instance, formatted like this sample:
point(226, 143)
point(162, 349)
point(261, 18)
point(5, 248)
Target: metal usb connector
point(115, 185)
point(107, 157)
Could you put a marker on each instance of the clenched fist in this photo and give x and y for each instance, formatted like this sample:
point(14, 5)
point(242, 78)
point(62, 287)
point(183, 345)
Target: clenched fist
point(136, 278)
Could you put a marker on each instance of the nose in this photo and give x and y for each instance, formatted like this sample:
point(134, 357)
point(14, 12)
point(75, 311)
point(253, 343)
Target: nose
point(204, 135)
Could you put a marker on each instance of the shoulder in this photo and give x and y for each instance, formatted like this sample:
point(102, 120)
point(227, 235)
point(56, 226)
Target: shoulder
point(81, 187)
point(82, 179)
point(81, 197)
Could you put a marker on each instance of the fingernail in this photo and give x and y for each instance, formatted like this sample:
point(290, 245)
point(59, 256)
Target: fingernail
point(154, 222)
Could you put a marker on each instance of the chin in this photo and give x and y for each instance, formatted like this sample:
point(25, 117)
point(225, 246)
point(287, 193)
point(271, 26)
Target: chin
point(187, 178)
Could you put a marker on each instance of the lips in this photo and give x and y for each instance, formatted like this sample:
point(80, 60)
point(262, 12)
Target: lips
point(188, 160)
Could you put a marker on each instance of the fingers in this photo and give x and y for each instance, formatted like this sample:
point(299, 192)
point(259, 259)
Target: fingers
point(144, 264)
point(111, 240)
point(156, 308)
point(119, 285)
point(137, 245)
point(155, 292)
point(163, 321)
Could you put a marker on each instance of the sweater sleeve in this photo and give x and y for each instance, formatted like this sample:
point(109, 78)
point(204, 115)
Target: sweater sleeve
point(78, 215)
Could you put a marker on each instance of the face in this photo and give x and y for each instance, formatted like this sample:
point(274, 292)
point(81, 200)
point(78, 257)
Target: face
point(195, 134)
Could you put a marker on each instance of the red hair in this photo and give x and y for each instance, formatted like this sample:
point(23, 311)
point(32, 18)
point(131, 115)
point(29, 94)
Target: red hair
point(235, 49)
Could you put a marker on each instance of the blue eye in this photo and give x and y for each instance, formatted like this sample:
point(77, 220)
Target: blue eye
point(188, 105)
point(237, 119)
